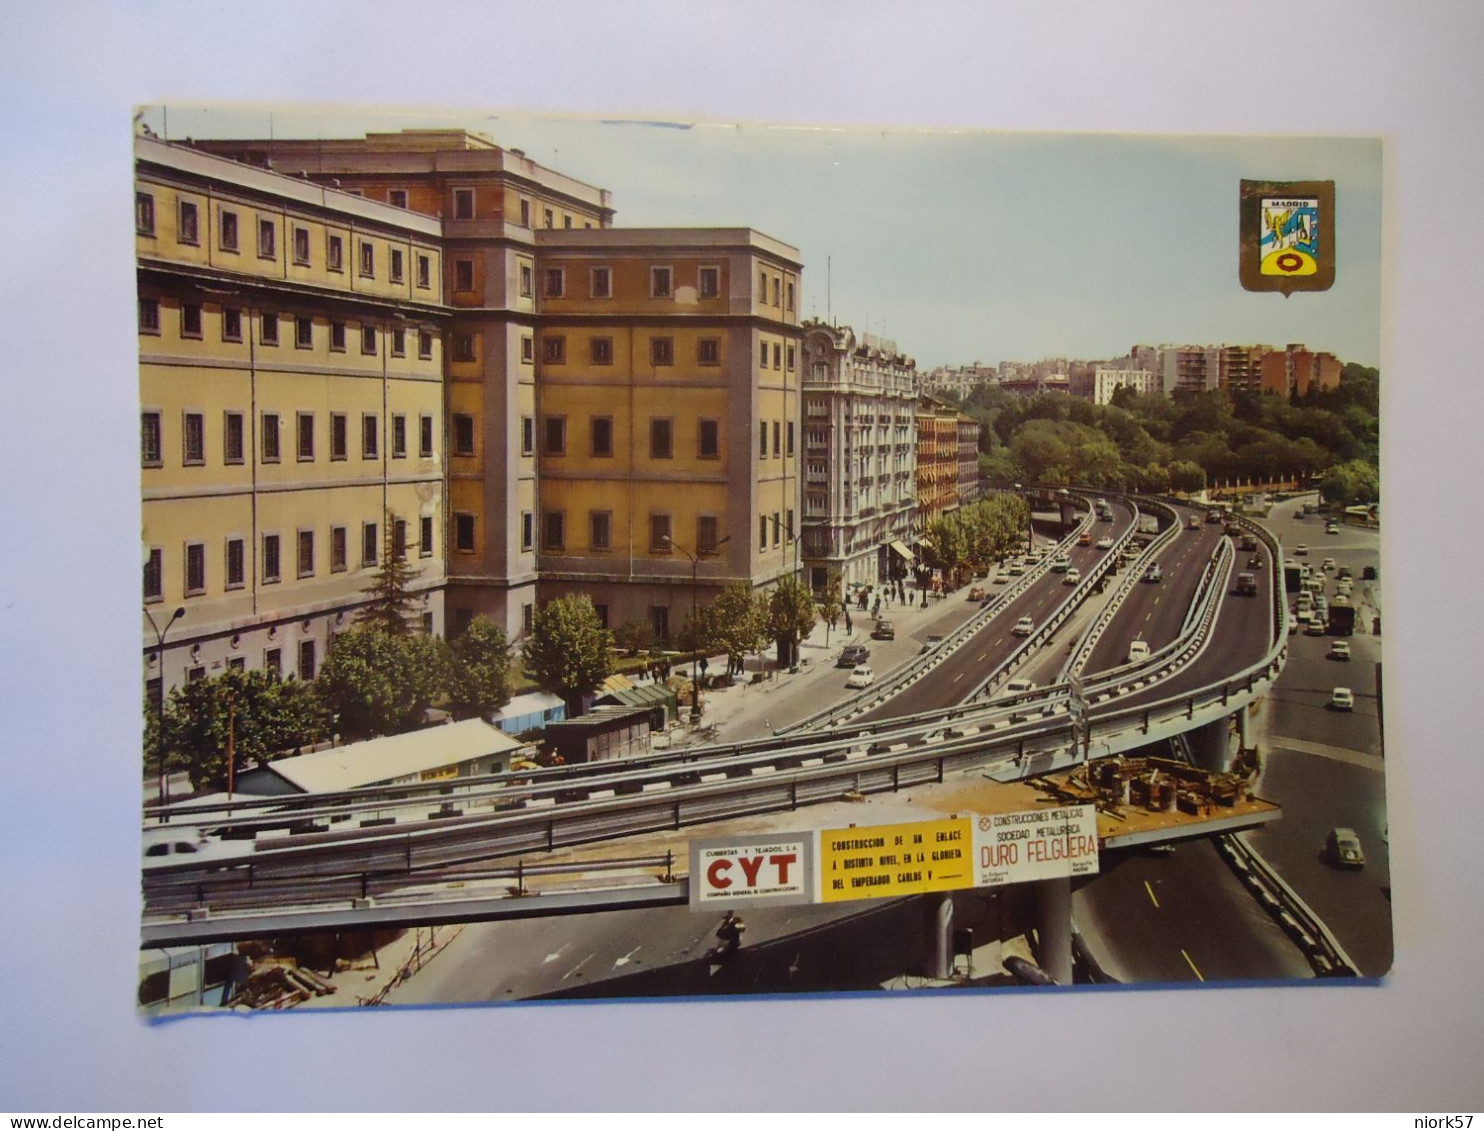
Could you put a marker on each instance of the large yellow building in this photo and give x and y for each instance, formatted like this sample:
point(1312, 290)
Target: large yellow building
point(291, 405)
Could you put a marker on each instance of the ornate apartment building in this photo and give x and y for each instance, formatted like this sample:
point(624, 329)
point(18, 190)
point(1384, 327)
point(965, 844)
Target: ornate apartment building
point(860, 455)
point(938, 462)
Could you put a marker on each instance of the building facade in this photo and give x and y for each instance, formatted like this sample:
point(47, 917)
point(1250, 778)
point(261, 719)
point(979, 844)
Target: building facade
point(1295, 370)
point(968, 460)
point(937, 461)
point(860, 456)
point(1107, 381)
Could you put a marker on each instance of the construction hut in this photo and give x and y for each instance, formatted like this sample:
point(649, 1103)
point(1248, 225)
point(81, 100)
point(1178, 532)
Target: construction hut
point(658, 699)
point(602, 735)
point(530, 712)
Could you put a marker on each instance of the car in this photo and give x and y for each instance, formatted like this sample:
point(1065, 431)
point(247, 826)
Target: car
point(1342, 849)
point(1017, 687)
point(1331, 527)
point(1138, 650)
point(884, 630)
point(1154, 575)
point(1061, 564)
point(1344, 573)
point(1344, 588)
point(1316, 626)
point(164, 846)
point(863, 676)
point(1105, 543)
point(1368, 573)
point(1249, 541)
point(1085, 538)
point(1339, 650)
point(852, 655)
point(1023, 627)
point(1192, 523)
point(1301, 551)
point(1254, 562)
point(1002, 579)
point(1072, 578)
point(1017, 570)
point(1342, 699)
point(1327, 565)
point(976, 594)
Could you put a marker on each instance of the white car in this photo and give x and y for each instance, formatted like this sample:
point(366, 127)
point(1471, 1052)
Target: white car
point(1327, 565)
point(1105, 543)
point(1016, 569)
point(1002, 579)
point(1072, 578)
point(1301, 551)
point(1342, 699)
point(1061, 564)
point(1024, 627)
point(1138, 650)
point(1155, 574)
point(861, 676)
point(1339, 650)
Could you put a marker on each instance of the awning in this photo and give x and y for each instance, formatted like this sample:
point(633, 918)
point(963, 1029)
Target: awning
point(904, 553)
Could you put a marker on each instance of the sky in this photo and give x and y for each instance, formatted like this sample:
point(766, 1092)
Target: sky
point(961, 246)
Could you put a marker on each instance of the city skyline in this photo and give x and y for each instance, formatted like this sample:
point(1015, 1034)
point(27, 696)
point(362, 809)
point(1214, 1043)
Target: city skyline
point(1012, 247)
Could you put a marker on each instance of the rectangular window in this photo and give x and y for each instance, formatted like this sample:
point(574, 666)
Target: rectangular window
point(231, 324)
point(710, 282)
point(425, 536)
point(708, 439)
point(463, 434)
point(233, 434)
point(706, 534)
point(602, 436)
point(527, 435)
point(270, 559)
point(526, 283)
point(399, 436)
point(601, 285)
point(527, 617)
point(788, 524)
point(661, 438)
point(463, 275)
point(776, 283)
point(598, 607)
point(190, 320)
point(777, 432)
point(399, 343)
point(236, 563)
point(337, 337)
point(339, 549)
point(708, 351)
point(189, 230)
point(268, 330)
point(659, 534)
point(762, 532)
point(149, 315)
point(195, 560)
point(306, 436)
point(339, 437)
point(150, 454)
point(789, 306)
point(229, 231)
point(525, 213)
point(273, 660)
point(193, 443)
point(661, 351)
point(301, 246)
point(306, 660)
point(527, 530)
point(394, 265)
point(554, 530)
point(399, 538)
point(547, 218)
point(267, 239)
point(556, 282)
point(763, 360)
point(397, 197)
point(424, 272)
point(304, 332)
point(463, 347)
point(762, 439)
point(368, 339)
point(602, 350)
point(527, 350)
point(566, 221)
point(144, 214)
point(777, 356)
point(790, 356)
point(335, 253)
point(368, 260)
point(790, 447)
point(556, 436)
point(659, 282)
point(154, 575)
point(554, 349)
point(425, 344)
point(463, 204)
point(370, 436)
point(425, 437)
point(370, 543)
point(776, 525)
point(600, 530)
point(270, 437)
point(306, 553)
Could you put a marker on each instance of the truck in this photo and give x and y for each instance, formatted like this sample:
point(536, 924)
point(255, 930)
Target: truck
point(1341, 618)
point(1293, 577)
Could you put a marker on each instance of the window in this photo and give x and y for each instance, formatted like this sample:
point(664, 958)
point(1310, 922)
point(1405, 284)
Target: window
point(189, 230)
point(425, 540)
point(777, 356)
point(399, 436)
point(556, 436)
point(368, 339)
point(267, 239)
point(790, 355)
point(268, 330)
point(600, 530)
point(602, 283)
point(661, 438)
point(527, 349)
point(556, 282)
point(463, 347)
point(231, 324)
point(763, 359)
point(527, 435)
point(270, 559)
point(338, 549)
point(566, 221)
point(339, 437)
point(193, 443)
point(154, 575)
point(463, 275)
point(303, 332)
point(526, 284)
point(368, 260)
point(149, 316)
point(602, 350)
point(708, 440)
point(776, 525)
point(776, 283)
point(397, 197)
point(399, 343)
point(776, 432)
point(601, 609)
point(547, 218)
point(554, 349)
point(190, 320)
point(236, 563)
point(273, 660)
point(150, 454)
point(370, 544)
point(463, 204)
point(708, 351)
point(195, 578)
point(659, 534)
point(306, 436)
point(789, 306)
point(762, 439)
point(659, 282)
point(337, 337)
point(602, 436)
point(229, 231)
point(306, 553)
point(394, 265)
point(270, 437)
point(232, 438)
point(463, 434)
point(144, 213)
point(306, 660)
point(335, 253)
point(710, 282)
point(425, 344)
point(399, 538)
point(525, 213)
point(788, 524)
point(370, 436)
point(527, 530)
point(425, 437)
point(706, 534)
point(554, 530)
point(790, 448)
point(424, 272)
point(527, 617)
point(301, 246)
point(662, 351)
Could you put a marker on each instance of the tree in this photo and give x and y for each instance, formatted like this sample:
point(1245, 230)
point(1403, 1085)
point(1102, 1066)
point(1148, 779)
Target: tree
point(377, 681)
point(479, 678)
point(634, 636)
point(567, 649)
point(738, 623)
point(791, 617)
point(1187, 477)
point(1352, 483)
point(831, 602)
point(392, 608)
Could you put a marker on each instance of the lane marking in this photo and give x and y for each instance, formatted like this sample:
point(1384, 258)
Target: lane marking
point(624, 961)
point(1192, 965)
point(958, 677)
point(578, 967)
point(1150, 890)
point(554, 955)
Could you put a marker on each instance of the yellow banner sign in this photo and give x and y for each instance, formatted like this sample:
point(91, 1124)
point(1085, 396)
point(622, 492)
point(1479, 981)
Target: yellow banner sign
point(883, 861)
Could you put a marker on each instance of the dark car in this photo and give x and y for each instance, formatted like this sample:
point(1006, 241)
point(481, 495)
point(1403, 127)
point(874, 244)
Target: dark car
point(852, 655)
point(884, 631)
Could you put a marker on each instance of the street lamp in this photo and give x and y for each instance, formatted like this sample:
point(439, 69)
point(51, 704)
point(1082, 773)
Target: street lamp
point(695, 619)
point(159, 698)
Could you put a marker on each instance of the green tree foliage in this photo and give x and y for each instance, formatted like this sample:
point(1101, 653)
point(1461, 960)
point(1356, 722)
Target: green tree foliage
point(737, 617)
point(977, 535)
point(1352, 484)
point(831, 602)
point(266, 716)
point(392, 608)
point(479, 677)
point(567, 651)
point(634, 636)
point(791, 617)
point(1187, 477)
point(382, 682)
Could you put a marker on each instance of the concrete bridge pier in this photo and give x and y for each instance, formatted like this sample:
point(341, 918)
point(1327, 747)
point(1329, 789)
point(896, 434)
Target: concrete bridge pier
point(938, 935)
point(1053, 921)
point(1210, 745)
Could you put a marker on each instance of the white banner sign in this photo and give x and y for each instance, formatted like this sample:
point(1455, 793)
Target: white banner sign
point(1039, 844)
point(752, 869)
